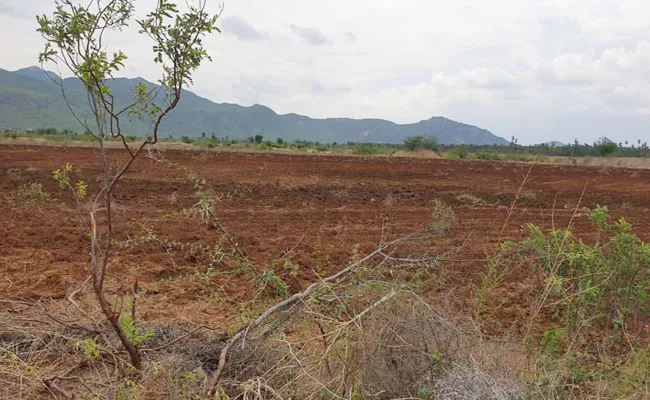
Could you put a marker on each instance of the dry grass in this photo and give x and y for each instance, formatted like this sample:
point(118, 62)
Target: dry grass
point(400, 347)
point(618, 162)
point(469, 199)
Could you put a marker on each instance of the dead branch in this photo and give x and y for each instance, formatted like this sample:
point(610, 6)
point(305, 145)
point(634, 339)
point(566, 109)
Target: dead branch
point(75, 325)
point(293, 300)
point(75, 293)
point(222, 336)
point(51, 384)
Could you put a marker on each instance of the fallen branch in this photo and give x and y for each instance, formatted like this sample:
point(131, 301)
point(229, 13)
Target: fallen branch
point(52, 385)
point(223, 336)
point(283, 305)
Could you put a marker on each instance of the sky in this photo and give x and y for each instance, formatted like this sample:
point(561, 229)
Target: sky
point(536, 70)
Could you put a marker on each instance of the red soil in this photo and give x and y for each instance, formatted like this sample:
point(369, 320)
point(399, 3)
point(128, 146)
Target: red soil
point(268, 202)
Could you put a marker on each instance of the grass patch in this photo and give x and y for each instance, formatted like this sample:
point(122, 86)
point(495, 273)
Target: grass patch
point(469, 199)
point(30, 193)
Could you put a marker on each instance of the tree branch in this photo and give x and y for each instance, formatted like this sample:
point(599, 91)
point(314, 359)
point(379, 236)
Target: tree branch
point(301, 296)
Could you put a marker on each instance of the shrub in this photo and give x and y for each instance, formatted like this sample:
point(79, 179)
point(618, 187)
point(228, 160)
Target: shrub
point(590, 298)
point(603, 282)
point(442, 216)
point(488, 156)
point(367, 149)
point(461, 152)
point(30, 192)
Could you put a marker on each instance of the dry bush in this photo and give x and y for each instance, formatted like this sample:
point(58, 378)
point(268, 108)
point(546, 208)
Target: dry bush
point(40, 360)
point(387, 344)
point(398, 347)
point(475, 384)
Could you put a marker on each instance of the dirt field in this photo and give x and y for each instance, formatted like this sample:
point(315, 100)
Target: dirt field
point(324, 208)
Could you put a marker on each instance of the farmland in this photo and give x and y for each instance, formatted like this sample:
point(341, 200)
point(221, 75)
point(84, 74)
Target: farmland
point(319, 212)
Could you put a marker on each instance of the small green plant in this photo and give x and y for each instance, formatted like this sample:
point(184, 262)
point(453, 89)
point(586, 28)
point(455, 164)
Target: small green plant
point(488, 156)
point(30, 192)
point(291, 267)
point(89, 347)
point(128, 390)
point(63, 177)
point(551, 340)
point(355, 393)
point(275, 283)
point(133, 333)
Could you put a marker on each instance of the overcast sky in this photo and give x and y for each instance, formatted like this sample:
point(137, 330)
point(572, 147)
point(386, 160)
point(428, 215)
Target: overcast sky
point(538, 70)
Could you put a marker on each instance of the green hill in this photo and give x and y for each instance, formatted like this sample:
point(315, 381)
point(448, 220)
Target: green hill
point(30, 100)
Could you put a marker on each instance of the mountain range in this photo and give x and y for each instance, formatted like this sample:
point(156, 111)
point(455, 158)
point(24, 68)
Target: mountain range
point(29, 100)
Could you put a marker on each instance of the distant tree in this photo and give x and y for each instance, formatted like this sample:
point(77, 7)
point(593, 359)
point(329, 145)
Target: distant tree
point(414, 142)
point(203, 135)
point(280, 141)
point(605, 147)
point(421, 142)
point(259, 139)
point(431, 143)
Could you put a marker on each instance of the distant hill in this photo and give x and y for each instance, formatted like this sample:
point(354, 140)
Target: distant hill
point(30, 100)
point(39, 74)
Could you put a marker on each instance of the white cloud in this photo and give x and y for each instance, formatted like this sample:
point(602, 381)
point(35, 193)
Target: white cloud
point(241, 28)
point(312, 36)
point(557, 70)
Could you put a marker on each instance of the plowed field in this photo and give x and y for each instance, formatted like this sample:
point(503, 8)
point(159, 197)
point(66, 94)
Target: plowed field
point(321, 208)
